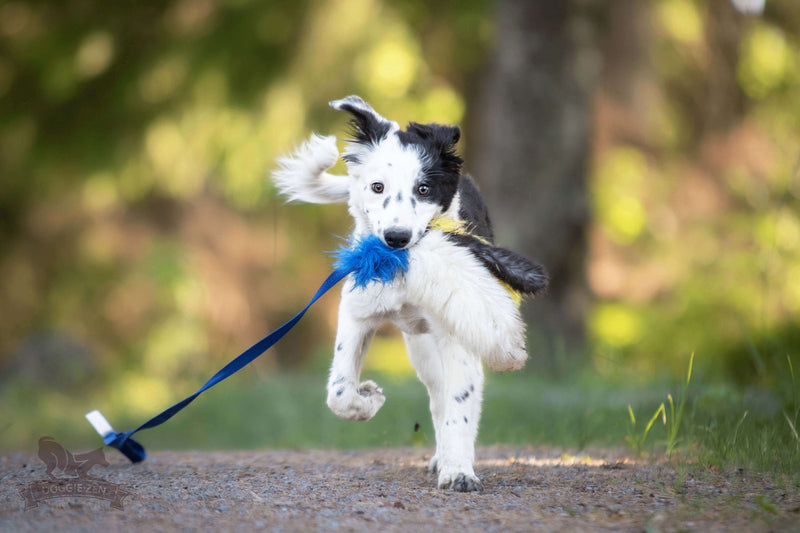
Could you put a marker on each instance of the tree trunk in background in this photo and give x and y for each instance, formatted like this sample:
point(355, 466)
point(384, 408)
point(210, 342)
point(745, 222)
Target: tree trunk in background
point(722, 100)
point(530, 153)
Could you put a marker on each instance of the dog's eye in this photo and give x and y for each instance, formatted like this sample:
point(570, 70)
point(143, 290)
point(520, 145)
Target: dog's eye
point(423, 190)
point(377, 187)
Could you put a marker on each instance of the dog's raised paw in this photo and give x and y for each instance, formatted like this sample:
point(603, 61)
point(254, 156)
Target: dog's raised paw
point(359, 404)
point(505, 357)
point(368, 388)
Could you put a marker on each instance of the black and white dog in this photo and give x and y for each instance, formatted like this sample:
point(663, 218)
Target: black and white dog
point(457, 305)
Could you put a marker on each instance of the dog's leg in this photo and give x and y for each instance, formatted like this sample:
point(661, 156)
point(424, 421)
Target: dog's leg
point(348, 398)
point(454, 379)
point(462, 396)
point(424, 356)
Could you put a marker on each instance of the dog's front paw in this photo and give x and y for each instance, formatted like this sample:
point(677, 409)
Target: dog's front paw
point(433, 465)
point(352, 403)
point(460, 482)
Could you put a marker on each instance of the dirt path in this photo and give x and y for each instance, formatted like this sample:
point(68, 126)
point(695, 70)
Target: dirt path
point(390, 490)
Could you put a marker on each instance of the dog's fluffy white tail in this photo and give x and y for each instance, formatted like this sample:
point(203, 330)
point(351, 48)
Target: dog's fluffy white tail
point(301, 175)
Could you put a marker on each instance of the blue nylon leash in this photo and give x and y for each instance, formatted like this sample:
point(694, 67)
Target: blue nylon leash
point(368, 259)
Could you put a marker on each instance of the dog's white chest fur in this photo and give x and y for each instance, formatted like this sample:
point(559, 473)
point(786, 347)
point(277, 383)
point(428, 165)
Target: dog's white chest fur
point(388, 303)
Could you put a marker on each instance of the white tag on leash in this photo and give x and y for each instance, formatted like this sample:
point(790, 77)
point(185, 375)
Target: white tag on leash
point(99, 423)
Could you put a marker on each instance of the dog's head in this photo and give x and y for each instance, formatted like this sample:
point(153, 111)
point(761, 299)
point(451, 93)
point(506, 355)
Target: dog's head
point(402, 179)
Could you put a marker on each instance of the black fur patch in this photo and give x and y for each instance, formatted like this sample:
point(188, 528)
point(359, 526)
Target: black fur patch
point(473, 210)
point(519, 272)
point(365, 129)
point(461, 397)
point(441, 168)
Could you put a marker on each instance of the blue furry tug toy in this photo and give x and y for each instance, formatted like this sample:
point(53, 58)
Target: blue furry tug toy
point(367, 259)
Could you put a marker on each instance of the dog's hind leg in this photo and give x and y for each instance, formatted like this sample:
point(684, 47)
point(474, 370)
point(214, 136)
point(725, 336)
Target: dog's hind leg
point(424, 356)
point(348, 398)
point(454, 379)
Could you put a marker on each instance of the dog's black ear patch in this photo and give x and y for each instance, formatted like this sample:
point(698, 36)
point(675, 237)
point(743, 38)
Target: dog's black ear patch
point(439, 142)
point(367, 126)
point(441, 165)
point(438, 134)
point(519, 272)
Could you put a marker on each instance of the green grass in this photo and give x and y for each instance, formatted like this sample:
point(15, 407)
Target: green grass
point(672, 419)
point(636, 438)
point(289, 411)
point(720, 425)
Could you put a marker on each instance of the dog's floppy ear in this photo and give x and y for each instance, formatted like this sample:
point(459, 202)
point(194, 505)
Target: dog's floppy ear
point(438, 139)
point(443, 137)
point(368, 127)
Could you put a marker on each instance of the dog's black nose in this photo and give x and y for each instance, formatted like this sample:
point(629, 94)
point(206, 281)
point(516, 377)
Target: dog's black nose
point(397, 237)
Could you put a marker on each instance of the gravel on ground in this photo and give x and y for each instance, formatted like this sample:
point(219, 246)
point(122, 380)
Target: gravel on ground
point(525, 489)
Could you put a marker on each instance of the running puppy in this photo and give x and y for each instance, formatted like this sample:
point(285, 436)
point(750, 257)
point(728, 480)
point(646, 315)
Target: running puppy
point(457, 305)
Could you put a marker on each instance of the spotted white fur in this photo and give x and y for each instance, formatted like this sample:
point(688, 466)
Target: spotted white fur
point(452, 312)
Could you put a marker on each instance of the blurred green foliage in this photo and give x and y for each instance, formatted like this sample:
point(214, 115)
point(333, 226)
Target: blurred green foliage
point(696, 238)
point(136, 217)
point(142, 246)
